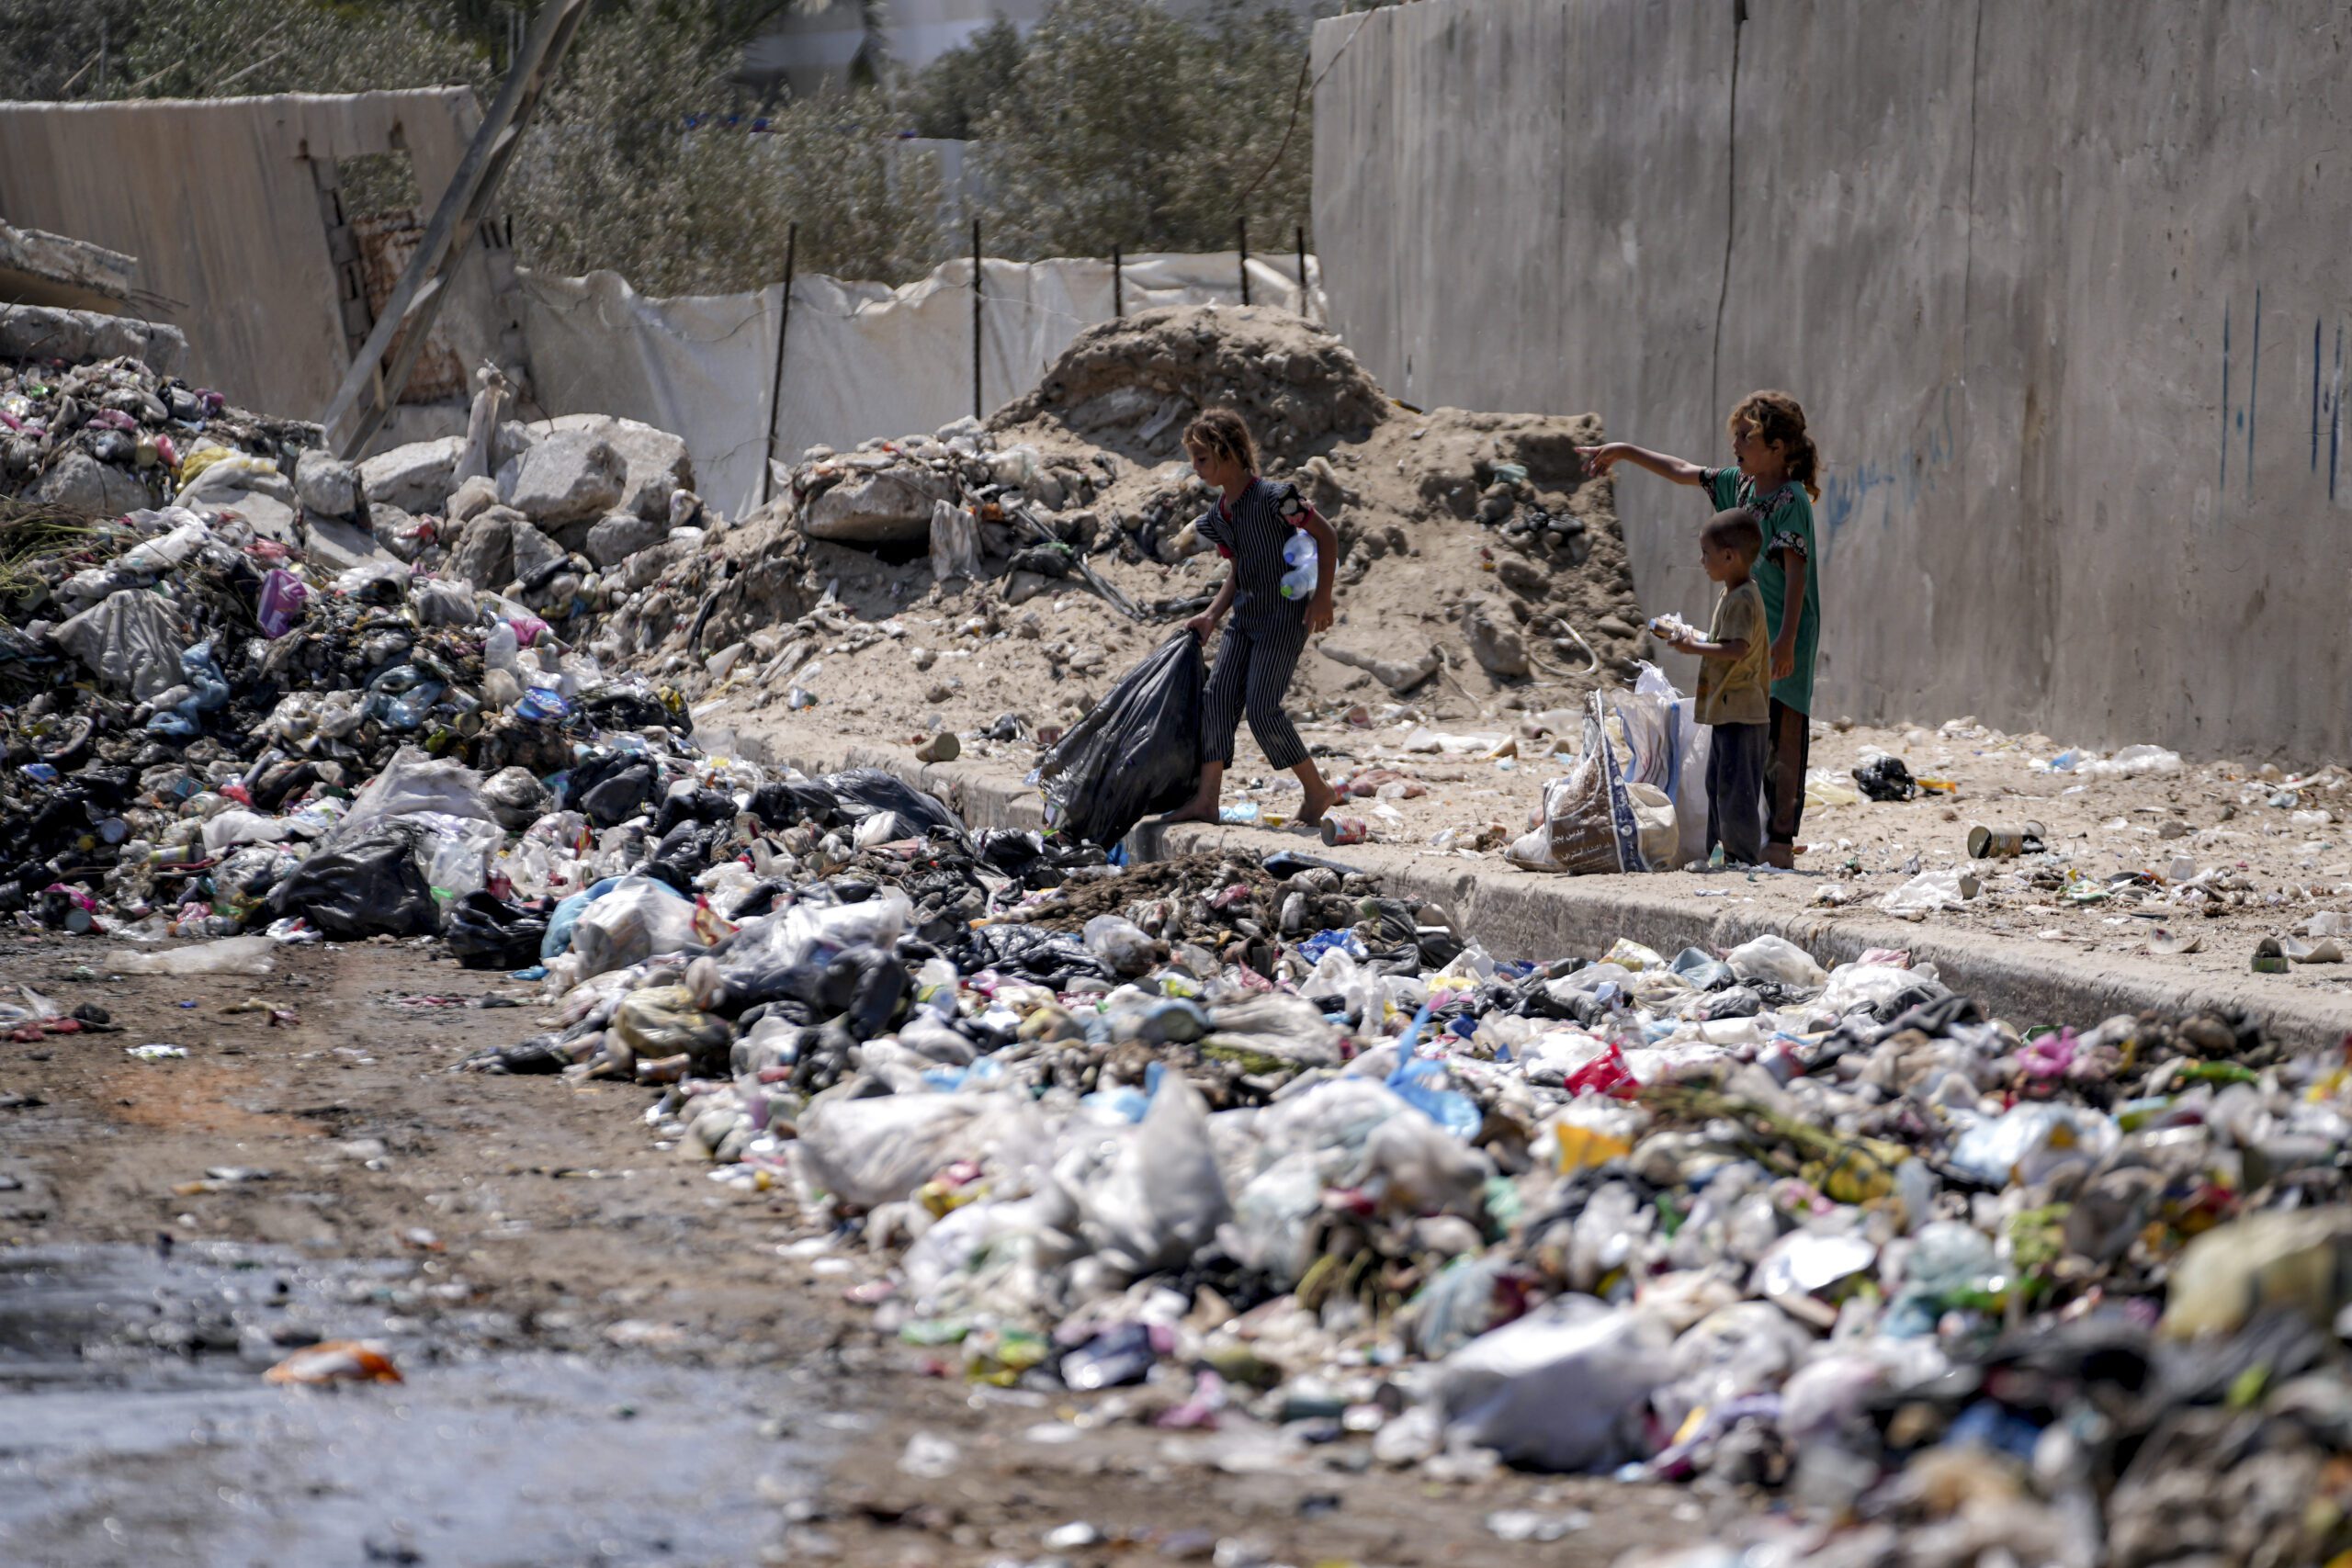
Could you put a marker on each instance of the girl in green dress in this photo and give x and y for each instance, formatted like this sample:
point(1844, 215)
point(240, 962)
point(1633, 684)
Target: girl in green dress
point(1775, 472)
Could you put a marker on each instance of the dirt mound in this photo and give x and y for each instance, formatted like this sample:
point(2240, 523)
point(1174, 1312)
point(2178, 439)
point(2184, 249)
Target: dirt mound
point(1132, 385)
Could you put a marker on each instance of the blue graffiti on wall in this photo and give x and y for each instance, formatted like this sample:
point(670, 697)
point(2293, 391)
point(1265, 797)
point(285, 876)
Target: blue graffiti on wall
point(2241, 410)
point(1899, 485)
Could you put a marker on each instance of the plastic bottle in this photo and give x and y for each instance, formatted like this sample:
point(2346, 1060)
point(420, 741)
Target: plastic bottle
point(1298, 582)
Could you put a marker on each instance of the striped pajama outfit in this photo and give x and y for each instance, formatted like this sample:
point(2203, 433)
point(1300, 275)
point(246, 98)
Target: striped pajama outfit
point(1266, 633)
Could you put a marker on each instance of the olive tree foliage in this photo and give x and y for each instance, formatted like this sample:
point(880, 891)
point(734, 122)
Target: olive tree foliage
point(1123, 125)
point(1111, 123)
point(629, 168)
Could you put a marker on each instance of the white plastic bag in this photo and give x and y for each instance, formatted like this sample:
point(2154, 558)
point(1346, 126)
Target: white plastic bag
point(1927, 893)
point(955, 541)
point(639, 919)
point(1561, 1388)
point(1149, 1196)
point(1776, 959)
point(412, 783)
point(865, 1153)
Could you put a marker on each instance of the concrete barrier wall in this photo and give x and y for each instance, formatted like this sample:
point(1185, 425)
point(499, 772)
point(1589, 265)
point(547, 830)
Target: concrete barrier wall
point(2063, 285)
point(218, 201)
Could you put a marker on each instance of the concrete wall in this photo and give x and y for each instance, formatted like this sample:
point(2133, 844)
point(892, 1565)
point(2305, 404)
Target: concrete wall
point(218, 202)
point(2062, 285)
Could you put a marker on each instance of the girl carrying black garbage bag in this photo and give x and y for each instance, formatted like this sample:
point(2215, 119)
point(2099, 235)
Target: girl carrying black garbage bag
point(1253, 521)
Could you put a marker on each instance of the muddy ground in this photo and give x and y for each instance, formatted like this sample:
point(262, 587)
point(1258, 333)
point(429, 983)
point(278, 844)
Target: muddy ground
point(609, 1358)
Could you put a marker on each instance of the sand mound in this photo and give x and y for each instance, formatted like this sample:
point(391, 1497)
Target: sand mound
point(1132, 385)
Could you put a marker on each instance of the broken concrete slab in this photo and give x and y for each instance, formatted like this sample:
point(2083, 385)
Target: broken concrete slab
point(892, 507)
point(484, 555)
point(47, 332)
point(38, 269)
point(339, 545)
point(415, 478)
point(326, 485)
point(568, 476)
point(472, 498)
point(656, 461)
point(534, 549)
point(617, 537)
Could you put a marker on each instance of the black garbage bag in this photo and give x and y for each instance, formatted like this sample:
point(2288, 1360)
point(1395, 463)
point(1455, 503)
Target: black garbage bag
point(486, 933)
point(1035, 953)
point(1046, 560)
point(705, 806)
point(683, 853)
point(612, 788)
point(1885, 778)
point(859, 793)
point(368, 885)
point(1136, 752)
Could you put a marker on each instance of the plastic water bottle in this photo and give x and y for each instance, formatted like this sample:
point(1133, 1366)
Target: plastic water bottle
point(1298, 582)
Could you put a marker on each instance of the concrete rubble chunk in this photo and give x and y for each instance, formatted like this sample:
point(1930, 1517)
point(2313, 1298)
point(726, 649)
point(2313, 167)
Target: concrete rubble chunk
point(45, 332)
point(1399, 675)
point(81, 482)
point(339, 545)
point(656, 461)
point(617, 537)
point(892, 507)
point(569, 476)
point(262, 497)
point(471, 499)
point(415, 478)
point(395, 531)
point(532, 549)
point(326, 485)
point(484, 555)
point(1493, 643)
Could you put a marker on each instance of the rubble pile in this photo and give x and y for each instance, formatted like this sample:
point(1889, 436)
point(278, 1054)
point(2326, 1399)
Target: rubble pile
point(989, 580)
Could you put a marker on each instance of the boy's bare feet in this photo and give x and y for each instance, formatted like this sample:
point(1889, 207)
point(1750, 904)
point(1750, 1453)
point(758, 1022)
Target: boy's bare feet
point(1783, 856)
point(1193, 810)
point(1318, 800)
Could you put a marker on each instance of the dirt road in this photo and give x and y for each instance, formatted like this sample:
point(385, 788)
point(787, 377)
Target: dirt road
point(607, 1358)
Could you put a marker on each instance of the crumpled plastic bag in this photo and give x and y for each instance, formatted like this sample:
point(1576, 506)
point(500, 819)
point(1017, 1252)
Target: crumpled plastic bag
point(129, 640)
point(1779, 960)
point(1149, 1196)
point(1929, 892)
point(865, 1153)
point(1561, 1389)
point(487, 934)
point(366, 884)
point(230, 955)
point(663, 1020)
point(412, 783)
point(637, 918)
point(955, 541)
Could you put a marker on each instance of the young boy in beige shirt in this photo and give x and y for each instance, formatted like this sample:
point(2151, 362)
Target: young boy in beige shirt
point(1735, 692)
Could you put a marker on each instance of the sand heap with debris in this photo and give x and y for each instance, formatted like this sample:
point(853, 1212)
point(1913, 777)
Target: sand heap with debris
point(1479, 562)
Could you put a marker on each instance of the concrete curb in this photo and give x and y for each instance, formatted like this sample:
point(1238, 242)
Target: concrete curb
point(1522, 915)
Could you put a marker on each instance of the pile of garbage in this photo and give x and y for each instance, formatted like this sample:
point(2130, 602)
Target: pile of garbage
point(243, 684)
point(1280, 1156)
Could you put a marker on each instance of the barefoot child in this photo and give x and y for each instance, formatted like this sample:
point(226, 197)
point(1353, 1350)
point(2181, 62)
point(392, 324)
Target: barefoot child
point(1775, 478)
point(1252, 520)
point(1733, 699)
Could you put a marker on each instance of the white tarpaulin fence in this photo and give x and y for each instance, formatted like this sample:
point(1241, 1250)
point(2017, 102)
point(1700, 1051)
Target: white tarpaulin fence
point(861, 359)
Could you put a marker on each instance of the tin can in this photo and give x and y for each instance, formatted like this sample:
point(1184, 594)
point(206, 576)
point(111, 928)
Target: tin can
point(2004, 843)
point(1345, 830)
